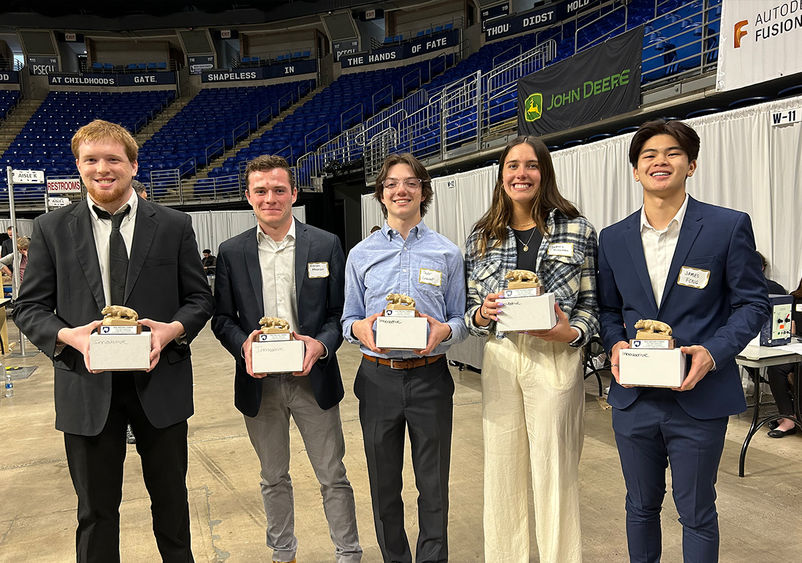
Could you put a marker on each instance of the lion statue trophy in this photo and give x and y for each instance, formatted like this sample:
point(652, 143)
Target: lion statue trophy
point(273, 325)
point(521, 279)
point(399, 301)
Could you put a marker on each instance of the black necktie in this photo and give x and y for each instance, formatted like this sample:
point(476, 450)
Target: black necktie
point(118, 256)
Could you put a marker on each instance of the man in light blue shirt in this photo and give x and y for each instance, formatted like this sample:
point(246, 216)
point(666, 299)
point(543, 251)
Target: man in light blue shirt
point(400, 388)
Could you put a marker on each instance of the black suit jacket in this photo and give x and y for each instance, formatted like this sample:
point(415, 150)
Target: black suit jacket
point(63, 288)
point(239, 306)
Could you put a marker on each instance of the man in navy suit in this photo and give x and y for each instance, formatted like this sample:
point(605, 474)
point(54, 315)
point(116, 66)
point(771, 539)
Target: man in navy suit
point(284, 268)
point(696, 268)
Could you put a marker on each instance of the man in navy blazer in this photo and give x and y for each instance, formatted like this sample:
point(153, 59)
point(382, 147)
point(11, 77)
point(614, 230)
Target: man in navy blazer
point(694, 266)
point(68, 282)
point(284, 268)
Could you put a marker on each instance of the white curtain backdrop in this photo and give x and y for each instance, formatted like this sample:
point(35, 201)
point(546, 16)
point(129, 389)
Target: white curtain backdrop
point(213, 227)
point(745, 163)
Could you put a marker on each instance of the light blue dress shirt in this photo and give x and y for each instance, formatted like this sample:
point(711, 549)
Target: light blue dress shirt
point(385, 263)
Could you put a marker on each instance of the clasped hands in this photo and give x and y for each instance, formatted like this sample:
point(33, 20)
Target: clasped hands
point(161, 334)
point(363, 330)
point(701, 364)
point(313, 351)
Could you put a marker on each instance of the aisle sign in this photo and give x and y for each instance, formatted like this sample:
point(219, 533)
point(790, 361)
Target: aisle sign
point(28, 176)
point(58, 201)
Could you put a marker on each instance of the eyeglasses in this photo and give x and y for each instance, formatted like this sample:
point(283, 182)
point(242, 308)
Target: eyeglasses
point(409, 183)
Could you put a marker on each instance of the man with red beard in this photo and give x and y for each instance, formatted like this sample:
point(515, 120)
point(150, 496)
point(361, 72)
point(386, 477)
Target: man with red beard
point(115, 248)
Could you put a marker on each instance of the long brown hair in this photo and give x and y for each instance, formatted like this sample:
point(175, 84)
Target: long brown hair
point(493, 224)
point(798, 291)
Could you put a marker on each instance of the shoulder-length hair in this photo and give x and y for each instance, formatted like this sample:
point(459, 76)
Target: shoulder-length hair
point(493, 224)
point(427, 193)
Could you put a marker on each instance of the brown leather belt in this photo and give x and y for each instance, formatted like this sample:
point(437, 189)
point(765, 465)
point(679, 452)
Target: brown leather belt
point(411, 363)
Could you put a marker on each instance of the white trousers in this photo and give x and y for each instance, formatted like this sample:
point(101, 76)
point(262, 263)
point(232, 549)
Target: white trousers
point(532, 413)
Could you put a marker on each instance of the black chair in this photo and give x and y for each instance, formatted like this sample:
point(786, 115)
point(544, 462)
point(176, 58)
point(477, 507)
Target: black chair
point(571, 143)
point(743, 102)
point(593, 349)
point(625, 130)
point(790, 91)
point(702, 112)
point(598, 137)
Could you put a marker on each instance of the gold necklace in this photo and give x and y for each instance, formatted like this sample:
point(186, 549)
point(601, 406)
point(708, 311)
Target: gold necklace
point(526, 244)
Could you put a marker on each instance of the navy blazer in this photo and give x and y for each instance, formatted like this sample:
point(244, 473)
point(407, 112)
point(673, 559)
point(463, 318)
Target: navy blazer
point(63, 288)
point(240, 305)
point(723, 316)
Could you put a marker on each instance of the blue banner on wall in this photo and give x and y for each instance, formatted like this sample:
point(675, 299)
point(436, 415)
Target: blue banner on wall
point(413, 48)
point(112, 79)
point(292, 68)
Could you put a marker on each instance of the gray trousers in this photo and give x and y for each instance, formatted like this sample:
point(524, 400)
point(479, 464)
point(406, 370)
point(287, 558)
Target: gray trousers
point(269, 431)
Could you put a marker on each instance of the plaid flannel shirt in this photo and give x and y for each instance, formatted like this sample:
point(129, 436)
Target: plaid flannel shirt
point(572, 279)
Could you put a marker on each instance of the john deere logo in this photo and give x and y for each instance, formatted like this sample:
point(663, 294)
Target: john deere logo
point(533, 107)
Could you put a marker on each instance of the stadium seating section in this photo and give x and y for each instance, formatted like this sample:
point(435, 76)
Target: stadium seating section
point(679, 37)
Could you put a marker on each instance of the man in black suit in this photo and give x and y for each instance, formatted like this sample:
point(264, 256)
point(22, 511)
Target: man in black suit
point(77, 253)
point(284, 268)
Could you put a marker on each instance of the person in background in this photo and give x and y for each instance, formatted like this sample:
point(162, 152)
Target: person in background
point(140, 189)
point(774, 287)
point(7, 261)
point(5, 247)
point(209, 261)
point(533, 394)
point(781, 378)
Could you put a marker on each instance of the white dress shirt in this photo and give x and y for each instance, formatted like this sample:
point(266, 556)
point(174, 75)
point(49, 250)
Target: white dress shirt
point(101, 229)
point(277, 262)
point(659, 247)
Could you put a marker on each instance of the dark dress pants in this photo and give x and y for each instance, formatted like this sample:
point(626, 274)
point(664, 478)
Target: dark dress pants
point(390, 401)
point(781, 388)
point(96, 468)
point(652, 433)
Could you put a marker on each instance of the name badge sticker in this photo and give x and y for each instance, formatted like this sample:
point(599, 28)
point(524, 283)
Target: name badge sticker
point(693, 277)
point(318, 269)
point(799, 307)
point(431, 277)
point(561, 249)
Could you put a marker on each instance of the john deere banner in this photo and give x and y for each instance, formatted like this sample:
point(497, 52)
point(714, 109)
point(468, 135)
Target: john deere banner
point(760, 40)
point(601, 82)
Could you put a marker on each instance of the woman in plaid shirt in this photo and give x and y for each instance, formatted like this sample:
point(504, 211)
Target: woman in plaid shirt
point(532, 383)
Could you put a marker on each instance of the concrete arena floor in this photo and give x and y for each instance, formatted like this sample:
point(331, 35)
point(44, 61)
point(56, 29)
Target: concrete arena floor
point(760, 515)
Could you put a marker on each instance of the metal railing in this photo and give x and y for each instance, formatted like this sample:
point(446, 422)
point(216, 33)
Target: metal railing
point(383, 95)
point(680, 43)
point(376, 151)
point(214, 149)
point(354, 114)
point(609, 20)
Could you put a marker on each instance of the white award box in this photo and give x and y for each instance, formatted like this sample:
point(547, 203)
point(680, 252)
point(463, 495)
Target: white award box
point(400, 329)
point(524, 310)
point(119, 348)
point(276, 353)
point(651, 367)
